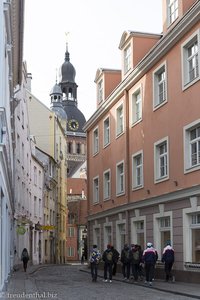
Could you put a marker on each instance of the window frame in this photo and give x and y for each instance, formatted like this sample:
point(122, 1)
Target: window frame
point(156, 101)
point(100, 91)
point(119, 120)
point(106, 129)
point(108, 236)
point(170, 20)
point(95, 141)
point(119, 224)
point(127, 58)
point(187, 152)
point(95, 191)
point(134, 101)
point(135, 186)
point(134, 230)
point(118, 181)
point(157, 230)
point(186, 82)
point(108, 196)
point(157, 156)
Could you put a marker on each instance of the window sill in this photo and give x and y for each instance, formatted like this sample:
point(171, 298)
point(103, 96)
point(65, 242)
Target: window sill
point(157, 106)
point(161, 179)
point(192, 169)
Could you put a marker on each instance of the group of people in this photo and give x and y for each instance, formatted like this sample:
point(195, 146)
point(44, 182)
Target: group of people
point(136, 263)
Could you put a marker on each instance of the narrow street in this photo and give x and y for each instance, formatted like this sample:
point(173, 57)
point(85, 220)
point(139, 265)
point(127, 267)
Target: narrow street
point(73, 282)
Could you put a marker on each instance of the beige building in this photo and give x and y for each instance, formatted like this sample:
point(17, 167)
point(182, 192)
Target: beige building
point(143, 143)
point(49, 135)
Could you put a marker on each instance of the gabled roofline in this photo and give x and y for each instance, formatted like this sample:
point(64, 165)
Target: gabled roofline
point(128, 34)
point(153, 56)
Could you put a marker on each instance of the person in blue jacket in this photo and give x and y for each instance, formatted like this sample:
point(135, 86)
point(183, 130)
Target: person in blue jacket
point(168, 259)
point(95, 257)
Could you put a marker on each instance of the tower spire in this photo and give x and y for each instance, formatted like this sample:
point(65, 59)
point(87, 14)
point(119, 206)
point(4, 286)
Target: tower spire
point(67, 52)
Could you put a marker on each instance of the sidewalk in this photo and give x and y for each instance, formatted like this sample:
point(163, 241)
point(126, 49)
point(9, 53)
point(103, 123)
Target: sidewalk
point(190, 290)
point(22, 283)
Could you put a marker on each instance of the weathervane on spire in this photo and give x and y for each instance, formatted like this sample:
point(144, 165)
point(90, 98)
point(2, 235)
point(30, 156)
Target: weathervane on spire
point(56, 75)
point(66, 36)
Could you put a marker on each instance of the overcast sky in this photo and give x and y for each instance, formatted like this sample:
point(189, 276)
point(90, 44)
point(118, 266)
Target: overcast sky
point(95, 29)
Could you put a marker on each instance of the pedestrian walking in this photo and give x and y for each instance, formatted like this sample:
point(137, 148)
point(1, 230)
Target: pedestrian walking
point(125, 260)
point(108, 263)
point(168, 259)
point(135, 260)
point(149, 258)
point(115, 260)
point(25, 258)
point(95, 257)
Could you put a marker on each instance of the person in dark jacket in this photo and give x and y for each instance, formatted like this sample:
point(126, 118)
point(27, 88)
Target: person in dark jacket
point(125, 260)
point(149, 258)
point(25, 258)
point(115, 260)
point(135, 260)
point(168, 259)
point(108, 263)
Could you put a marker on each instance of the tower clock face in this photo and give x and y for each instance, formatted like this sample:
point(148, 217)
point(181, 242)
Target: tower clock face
point(73, 124)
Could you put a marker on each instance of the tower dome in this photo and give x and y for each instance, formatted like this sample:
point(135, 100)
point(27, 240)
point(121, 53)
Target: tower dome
point(56, 101)
point(67, 70)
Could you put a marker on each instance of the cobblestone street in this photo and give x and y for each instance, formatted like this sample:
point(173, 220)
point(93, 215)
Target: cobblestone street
point(73, 282)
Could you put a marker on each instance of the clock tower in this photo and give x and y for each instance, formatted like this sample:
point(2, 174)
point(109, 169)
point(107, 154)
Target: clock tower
point(75, 136)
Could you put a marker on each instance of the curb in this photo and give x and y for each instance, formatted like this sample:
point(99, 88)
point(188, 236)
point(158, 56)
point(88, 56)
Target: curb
point(150, 287)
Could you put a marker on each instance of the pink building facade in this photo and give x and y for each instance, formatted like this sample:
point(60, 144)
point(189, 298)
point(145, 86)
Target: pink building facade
point(143, 143)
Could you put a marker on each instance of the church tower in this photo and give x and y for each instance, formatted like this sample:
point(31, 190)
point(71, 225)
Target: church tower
point(64, 103)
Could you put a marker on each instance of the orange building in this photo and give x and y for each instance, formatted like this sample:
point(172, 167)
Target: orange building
point(143, 143)
point(77, 218)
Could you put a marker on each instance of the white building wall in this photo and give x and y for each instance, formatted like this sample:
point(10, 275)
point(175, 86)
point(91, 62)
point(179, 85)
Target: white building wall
point(6, 160)
point(28, 187)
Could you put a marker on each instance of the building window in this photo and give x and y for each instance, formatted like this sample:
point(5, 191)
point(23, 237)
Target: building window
point(120, 120)
point(172, 11)
point(161, 160)
point(165, 230)
point(192, 146)
point(69, 147)
point(71, 232)
point(127, 59)
point(70, 251)
point(190, 60)
point(195, 229)
point(136, 106)
point(45, 247)
point(40, 208)
point(137, 170)
point(35, 206)
point(96, 190)
point(120, 179)
point(160, 86)
point(96, 141)
point(107, 235)
point(138, 229)
point(106, 131)
point(35, 175)
point(106, 184)
point(78, 148)
point(162, 229)
point(100, 91)
point(97, 237)
point(121, 235)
